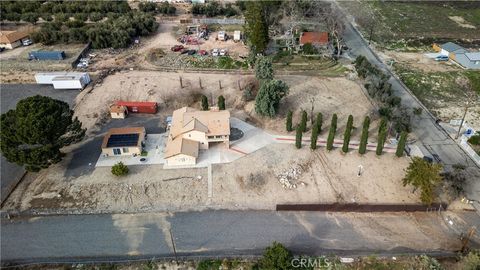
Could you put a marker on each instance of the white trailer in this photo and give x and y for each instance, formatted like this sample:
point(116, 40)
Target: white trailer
point(222, 36)
point(64, 80)
point(237, 35)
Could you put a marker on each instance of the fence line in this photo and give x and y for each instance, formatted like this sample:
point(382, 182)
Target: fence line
point(361, 208)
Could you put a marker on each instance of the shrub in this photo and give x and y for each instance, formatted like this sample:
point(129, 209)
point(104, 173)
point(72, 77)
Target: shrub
point(331, 133)
point(382, 135)
point(298, 137)
point(346, 136)
point(314, 137)
point(424, 175)
point(119, 169)
point(319, 122)
point(221, 103)
point(288, 124)
point(263, 68)
point(303, 121)
point(475, 140)
point(309, 49)
point(276, 257)
point(364, 138)
point(401, 144)
point(204, 103)
point(269, 96)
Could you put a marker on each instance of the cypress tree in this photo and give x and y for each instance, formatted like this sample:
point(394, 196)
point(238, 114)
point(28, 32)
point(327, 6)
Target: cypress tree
point(331, 133)
point(313, 139)
point(303, 123)
point(319, 122)
point(298, 137)
point(382, 135)
point(363, 140)
point(204, 103)
point(221, 103)
point(289, 121)
point(401, 144)
point(346, 135)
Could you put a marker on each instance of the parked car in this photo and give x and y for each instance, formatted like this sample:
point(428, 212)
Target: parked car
point(202, 52)
point(191, 52)
point(177, 48)
point(184, 51)
point(27, 42)
point(441, 58)
point(223, 52)
point(215, 52)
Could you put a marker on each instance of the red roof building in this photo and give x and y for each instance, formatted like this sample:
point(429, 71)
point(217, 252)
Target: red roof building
point(138, 106)
point(314, 38)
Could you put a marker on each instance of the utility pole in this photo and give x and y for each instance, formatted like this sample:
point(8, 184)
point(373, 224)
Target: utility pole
point(173, 245)
point(461, 122)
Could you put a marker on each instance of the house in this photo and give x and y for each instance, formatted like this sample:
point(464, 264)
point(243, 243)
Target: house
point(469, 60)
point(118, 112)
point(124, 141)
point(317, 39)
point(12, 39)
point(192, 130)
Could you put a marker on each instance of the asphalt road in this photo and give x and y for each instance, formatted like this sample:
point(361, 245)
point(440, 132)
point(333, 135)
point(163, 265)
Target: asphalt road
point(424, 127)
point(218, 233)
point(10, 95)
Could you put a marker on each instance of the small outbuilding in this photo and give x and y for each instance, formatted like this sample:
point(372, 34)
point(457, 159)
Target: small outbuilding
point(124, 141)
point(118, 112)
point(12, 39)
point(139, 106)
point(317, 39)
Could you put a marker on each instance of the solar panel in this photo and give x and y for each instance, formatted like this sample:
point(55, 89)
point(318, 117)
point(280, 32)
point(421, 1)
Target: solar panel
point(121, 140)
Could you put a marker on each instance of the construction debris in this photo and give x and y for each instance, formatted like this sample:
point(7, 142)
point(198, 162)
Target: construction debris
point(289, 177)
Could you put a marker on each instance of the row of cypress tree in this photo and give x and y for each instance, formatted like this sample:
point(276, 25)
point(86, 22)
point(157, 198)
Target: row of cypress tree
point(316, 129)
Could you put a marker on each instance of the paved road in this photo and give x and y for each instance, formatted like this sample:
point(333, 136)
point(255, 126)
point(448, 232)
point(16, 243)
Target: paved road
point(219, 233)
point(424, 127)
point(10, 95)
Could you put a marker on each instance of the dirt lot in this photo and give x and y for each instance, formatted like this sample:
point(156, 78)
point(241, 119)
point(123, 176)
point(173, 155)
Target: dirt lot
point(418, 60)
point(250, 182)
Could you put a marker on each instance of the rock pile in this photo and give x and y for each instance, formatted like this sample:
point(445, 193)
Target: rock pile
point(289, 177)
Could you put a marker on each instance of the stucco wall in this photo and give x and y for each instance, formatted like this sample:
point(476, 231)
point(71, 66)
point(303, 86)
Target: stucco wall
point(131, 151)
point(181, 160)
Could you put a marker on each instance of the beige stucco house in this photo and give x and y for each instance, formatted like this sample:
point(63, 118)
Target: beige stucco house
point(124, 141)
point(12, 39)
point(192, 130)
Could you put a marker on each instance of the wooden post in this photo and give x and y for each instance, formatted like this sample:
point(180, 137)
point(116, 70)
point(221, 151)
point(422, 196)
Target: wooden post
point(181, 82)
point(220, 84)
point(200, 82)
point(238, 83)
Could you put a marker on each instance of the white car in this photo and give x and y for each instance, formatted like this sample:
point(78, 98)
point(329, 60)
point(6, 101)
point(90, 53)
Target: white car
point(215, 52)
point(27, 42)
point(223, 52)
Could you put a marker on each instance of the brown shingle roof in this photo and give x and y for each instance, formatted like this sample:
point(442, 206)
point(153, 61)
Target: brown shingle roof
point(117, 109)
point(216, 122)
point(8, 37)
point(180, 145)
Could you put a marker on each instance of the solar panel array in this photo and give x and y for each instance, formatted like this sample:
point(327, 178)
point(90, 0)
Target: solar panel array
point(122, 140)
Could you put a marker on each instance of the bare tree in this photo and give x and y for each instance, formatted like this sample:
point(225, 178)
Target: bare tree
point(470, 98)
point(335, 25)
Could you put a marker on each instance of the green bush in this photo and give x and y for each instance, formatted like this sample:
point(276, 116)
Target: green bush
point(209, 265)
point(331, 133)
point(319, 122)
point(401, 144)
point(298, 137)
point(475, 140)
point(309, 49)
point(221, 103)
point(269, 96)
point(204, 103)
point(364, 138)
point(382, 136)
point(119, 169)
point(314, 137)
point(346, 135)
point(288, 124)
point(276, 257)
point(303, 121)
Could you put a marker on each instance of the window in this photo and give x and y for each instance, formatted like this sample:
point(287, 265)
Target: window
point(125, 150)
point(116, 151)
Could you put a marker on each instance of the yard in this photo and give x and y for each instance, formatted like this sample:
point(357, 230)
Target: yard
point(410, 25)
point(251, 182)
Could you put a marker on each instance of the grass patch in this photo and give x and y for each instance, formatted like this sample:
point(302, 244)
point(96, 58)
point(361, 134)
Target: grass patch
point(222, 62)
point(324, 65)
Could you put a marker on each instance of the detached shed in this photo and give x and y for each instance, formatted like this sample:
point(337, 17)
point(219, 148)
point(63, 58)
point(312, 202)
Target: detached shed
point(139, 106)
point(118, 112)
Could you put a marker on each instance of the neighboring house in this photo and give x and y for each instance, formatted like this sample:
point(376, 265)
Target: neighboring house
point(192, 130)
point(317, 39)
point(469, 60)
point(12, 39)
point(124, 141)
point(118, 112)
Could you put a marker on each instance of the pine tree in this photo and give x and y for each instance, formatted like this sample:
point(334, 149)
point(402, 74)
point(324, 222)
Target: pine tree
point(314, 137)
point(221, 103)
point(319, 122)
point(331, 133)
point(401, 144)
point(289, 121)
point(303, 123)
point(204, 103)
point(346, 135)
point(382, 135)
point(298, 137)
point(364, 139)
